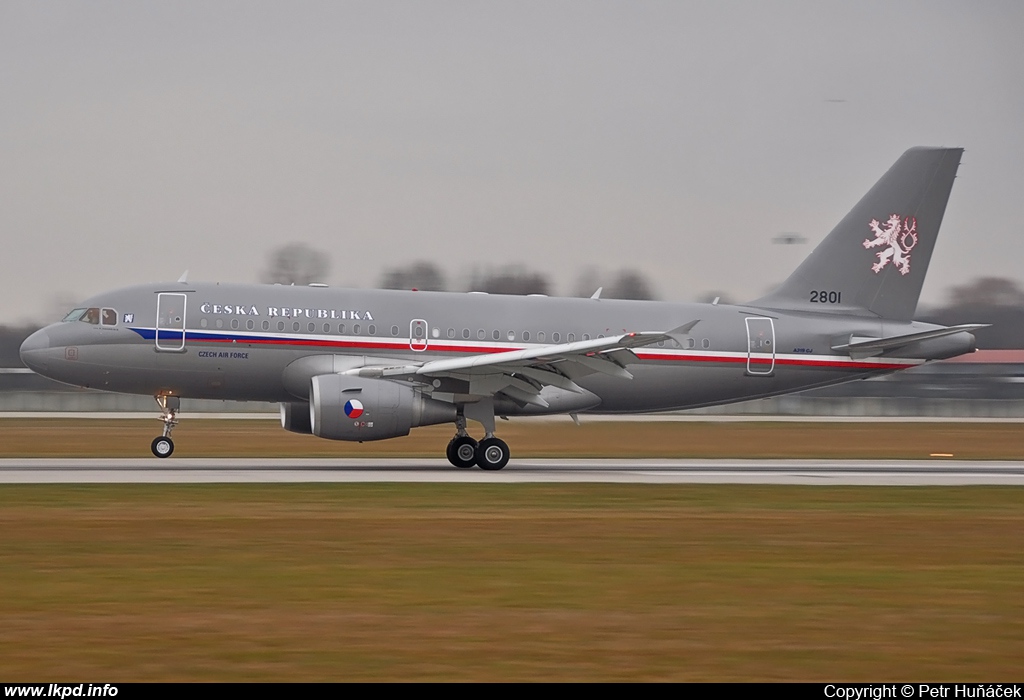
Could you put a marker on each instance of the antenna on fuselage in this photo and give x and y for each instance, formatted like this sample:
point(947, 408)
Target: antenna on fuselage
point(597, 294)
point(184, 277)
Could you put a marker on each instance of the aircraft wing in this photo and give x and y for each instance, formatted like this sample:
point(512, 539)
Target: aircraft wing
point(521, 374)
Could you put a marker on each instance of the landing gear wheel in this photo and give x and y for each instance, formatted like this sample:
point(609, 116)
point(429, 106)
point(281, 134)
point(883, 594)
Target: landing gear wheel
point(492, 454)
point(162, 446)
point(461, 451)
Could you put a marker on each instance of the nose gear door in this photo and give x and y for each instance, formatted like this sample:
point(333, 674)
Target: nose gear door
point(170, 321)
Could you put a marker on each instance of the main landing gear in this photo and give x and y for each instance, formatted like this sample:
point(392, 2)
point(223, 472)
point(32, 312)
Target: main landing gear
point(464, 452)
point(163, 446)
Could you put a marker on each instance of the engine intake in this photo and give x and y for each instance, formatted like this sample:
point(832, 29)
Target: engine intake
point(360, 409)
point(295, 416)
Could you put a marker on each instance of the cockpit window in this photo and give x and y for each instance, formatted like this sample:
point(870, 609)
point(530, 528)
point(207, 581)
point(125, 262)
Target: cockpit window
point(91, 315)
point(109, 317)
point(74, 315)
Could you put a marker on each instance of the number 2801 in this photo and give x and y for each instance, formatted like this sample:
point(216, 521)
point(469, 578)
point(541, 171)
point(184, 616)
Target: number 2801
point(826, 297)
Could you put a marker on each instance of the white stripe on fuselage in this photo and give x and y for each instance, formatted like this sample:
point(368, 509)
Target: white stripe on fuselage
point(448, 346)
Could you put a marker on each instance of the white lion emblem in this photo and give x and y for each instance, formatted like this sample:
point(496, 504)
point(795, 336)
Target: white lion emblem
point(900, 235)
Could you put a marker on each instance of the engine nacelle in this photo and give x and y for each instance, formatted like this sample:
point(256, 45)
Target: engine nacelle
point(356, 408)
point(295, 417)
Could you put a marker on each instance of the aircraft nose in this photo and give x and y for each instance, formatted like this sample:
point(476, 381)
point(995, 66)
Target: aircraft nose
point(30, 349)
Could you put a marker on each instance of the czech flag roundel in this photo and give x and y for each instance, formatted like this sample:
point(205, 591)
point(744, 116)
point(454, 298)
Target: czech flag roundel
point(353, 408)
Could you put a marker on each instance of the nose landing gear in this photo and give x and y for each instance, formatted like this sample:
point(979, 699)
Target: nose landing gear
point(163, 446)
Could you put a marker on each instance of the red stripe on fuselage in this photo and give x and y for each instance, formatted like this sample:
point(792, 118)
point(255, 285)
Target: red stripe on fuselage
point(483, 349)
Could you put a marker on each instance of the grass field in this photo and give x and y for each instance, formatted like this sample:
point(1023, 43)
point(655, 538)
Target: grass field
point(512, 582)
point(891, 439)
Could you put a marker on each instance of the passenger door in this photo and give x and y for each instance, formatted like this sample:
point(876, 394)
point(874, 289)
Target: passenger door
point(170, 321)
point(760, 346)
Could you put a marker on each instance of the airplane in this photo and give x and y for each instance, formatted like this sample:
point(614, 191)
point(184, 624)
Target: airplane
point(371, 364)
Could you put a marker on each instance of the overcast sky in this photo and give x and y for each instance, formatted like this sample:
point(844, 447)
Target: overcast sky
point(138, 139)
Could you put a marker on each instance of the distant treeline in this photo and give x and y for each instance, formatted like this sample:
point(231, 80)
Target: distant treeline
point(11, 338)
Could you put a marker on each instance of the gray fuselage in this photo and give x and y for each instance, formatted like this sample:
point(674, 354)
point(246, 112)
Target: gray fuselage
point(237, 342)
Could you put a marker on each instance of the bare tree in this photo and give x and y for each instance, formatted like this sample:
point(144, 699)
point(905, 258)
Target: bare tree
point(11, 338)
point(630, 284)
point(994, 300)
point(624, 284)
point(296, 263)
point(422, 275)
point(987, 291)
point(513, 279)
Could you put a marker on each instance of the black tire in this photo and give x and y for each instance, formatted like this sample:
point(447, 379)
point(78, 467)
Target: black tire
point(492, 454)
point(461, 452)
point(162, 447)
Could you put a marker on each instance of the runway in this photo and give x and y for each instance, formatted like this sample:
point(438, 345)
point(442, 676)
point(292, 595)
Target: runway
point(642, 471)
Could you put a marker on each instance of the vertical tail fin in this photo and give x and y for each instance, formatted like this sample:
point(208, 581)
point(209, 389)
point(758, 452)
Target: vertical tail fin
point(876, 258)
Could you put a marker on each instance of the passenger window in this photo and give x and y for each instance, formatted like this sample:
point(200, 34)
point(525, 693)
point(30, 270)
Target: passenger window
point(481, 334)
point(451, 332)
point(540, 336)
point(280, 325)
point(705, 343)
point(586, 336)
point(355, 329)
point(394, 331)
point(341, 329)
point(234, 324)
point(327, 328)
point(295, 326)
point(511, 335)
point(311, 326)
point(571, 338)
point(219, 323)
point(465, 334)
point(266, 325)
point(371, 329)
point(250, 324)
point(690, 343)
point(556, 337)
point(526, 335)
point(497, 335)
point(203, 323)
point(109, 317)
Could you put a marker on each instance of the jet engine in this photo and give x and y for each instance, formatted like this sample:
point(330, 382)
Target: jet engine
point(356, 408)
point(295, 416)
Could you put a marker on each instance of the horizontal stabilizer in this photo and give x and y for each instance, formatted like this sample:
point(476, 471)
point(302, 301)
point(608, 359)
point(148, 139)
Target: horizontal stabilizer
point(875, 346)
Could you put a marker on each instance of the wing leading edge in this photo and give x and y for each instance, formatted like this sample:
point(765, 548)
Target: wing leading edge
point(522, 374)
